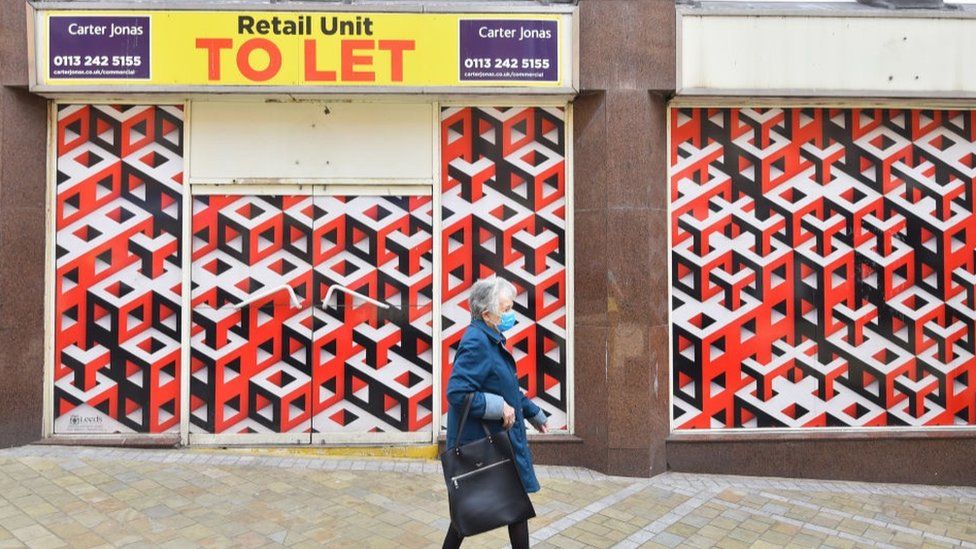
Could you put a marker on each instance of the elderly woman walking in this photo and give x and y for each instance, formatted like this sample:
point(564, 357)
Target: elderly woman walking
point(484, 366)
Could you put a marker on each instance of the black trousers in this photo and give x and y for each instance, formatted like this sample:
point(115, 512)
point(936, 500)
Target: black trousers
point(518, 535)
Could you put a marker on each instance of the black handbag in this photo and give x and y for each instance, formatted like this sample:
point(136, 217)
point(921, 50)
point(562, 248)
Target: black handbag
point(484, 489)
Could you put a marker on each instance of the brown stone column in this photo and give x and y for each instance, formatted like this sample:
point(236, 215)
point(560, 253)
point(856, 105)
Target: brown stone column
point(627, 72)
point(23, 145)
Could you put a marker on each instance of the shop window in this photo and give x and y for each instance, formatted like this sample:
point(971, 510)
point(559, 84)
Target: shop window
point(902, 230)
point(117, 321)
point(504, 213)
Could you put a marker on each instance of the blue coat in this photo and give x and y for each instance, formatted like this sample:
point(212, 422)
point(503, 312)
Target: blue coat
point(483, 365)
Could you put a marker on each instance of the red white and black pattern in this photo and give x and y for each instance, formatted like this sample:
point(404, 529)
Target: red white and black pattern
point(823, 270)
point(118, 275)
point(296, 364)
point(504, 213)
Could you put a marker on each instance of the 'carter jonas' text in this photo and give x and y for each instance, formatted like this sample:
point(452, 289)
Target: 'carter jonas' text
point(110, 31)
point(521, 33)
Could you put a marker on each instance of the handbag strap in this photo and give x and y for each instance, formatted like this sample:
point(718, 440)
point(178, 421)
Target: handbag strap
point(463, 420)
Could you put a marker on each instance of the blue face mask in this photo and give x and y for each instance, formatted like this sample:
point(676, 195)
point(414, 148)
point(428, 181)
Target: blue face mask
point(507, 321)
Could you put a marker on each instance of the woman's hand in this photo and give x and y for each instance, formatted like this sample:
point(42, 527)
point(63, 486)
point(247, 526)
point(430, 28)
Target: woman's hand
point(544, 428)
point(508, 416)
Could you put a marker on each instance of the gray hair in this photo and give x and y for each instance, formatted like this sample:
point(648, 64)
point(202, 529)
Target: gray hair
point(486, 293)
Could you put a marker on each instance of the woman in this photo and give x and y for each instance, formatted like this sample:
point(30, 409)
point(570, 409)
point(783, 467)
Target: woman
point(484, 366)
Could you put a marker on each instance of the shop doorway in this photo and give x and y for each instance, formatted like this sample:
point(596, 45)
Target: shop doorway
point(311, 317)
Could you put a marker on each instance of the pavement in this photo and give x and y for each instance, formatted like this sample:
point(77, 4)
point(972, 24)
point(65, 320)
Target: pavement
point(56, 496)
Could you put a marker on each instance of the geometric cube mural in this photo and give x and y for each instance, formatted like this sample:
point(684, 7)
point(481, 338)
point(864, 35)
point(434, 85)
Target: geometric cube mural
point(279, 346)
point(503, 204)
point(282, 339)
point(118, 274)
point(823, 269)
